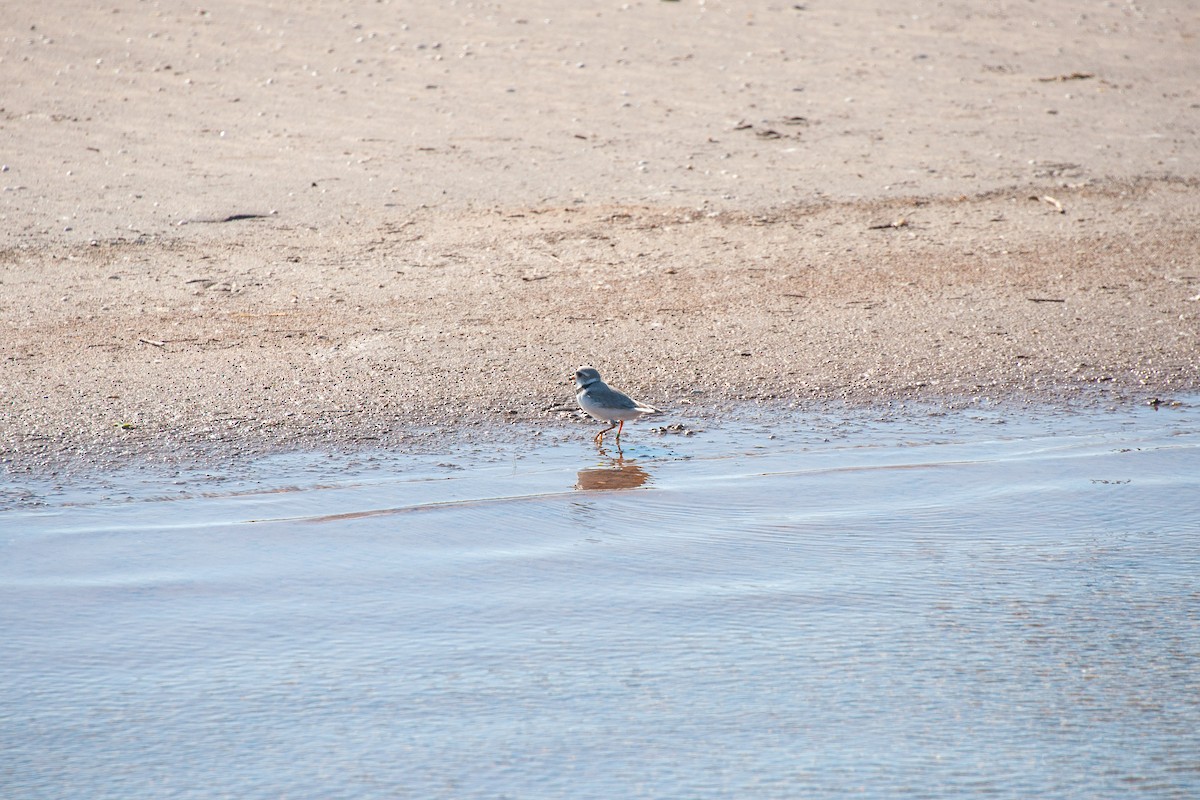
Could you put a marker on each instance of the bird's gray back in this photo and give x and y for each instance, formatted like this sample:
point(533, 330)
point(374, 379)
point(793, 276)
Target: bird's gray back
point(605, 395)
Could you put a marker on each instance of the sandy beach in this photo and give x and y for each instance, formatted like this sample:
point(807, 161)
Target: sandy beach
point(245, 227)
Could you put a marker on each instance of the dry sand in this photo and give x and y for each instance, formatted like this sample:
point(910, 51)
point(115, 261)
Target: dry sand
point(252, 226)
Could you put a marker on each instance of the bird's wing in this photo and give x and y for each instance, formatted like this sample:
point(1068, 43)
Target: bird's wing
point(614, 399)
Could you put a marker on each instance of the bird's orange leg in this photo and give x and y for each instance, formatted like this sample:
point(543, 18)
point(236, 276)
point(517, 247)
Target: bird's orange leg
point(599, 438)
point(620, 428)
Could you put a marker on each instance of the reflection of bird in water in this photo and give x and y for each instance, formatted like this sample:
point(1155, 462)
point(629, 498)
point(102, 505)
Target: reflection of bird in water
point(607, 404)
point(618, 476)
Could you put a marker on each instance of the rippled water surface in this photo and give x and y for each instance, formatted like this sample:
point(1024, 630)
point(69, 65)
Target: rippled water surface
point(967, 604)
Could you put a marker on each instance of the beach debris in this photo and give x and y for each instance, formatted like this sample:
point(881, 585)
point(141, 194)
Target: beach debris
point(227, 218)
point(1046, 299)
point(1056, 169)
point(152, 342)
point(772, 133)
point(677, 428)
point(1054, 201)
point(900, 222)
point(1070, 76)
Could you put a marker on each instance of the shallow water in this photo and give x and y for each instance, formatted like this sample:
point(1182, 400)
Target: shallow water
point(918, 605)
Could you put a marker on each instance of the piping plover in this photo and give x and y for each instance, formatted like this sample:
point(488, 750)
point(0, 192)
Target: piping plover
point(607, 404)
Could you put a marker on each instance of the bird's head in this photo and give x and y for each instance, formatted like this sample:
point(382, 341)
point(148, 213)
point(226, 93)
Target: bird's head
point(586, 376)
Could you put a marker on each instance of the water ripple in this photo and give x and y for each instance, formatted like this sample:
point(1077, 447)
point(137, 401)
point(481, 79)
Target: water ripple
point(902, 613)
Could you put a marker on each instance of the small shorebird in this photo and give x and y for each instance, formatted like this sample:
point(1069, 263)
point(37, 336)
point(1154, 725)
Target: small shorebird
point(607, 404)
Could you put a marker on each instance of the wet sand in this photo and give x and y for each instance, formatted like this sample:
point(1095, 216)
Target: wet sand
point(240, 229)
